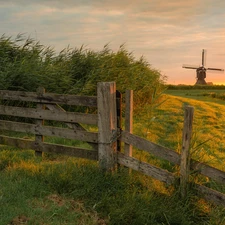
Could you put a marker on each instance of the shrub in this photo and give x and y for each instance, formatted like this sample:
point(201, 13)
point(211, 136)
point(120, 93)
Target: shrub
point(27, 64)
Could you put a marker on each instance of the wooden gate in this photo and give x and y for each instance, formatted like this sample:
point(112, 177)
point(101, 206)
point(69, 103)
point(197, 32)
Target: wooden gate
point(33, 113)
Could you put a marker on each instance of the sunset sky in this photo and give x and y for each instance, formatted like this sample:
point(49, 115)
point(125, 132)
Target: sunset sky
point(167, 33)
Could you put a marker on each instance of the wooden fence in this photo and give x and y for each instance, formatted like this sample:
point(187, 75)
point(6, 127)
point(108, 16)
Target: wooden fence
point(187, 165)
point(106, 142)
point(48, 108)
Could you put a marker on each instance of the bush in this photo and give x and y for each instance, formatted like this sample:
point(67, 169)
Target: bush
point(27, 65)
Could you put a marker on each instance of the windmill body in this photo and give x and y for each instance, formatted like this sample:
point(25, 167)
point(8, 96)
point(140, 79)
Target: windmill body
point(201, 70)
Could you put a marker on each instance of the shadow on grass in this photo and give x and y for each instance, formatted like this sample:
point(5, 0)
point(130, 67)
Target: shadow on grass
point(77, 192)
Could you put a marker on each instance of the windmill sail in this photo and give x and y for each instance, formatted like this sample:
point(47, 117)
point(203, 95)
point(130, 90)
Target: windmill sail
point(190, 66)
point(215, 69)
point(203, 57)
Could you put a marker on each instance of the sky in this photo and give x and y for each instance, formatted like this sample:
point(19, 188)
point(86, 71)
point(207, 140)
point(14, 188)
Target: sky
point(168, 33)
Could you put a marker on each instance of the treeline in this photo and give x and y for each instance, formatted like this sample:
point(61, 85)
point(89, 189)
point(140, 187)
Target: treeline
point(194, 87)
point(26, 64)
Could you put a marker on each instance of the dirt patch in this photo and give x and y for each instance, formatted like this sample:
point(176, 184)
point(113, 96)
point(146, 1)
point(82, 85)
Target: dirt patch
point(76, 206)
point(19, 220)
point(56, 199)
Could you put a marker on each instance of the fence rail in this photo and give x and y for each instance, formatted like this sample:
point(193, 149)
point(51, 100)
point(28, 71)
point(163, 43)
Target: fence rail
point(171, 156)
point(49, 131)
point(49, 148)
point(150, 147)
point(42, 114)
point(51, 98)
point(146, 168)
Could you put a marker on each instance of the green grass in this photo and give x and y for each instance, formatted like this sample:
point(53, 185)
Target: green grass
point(164, 126)
point(198, 94)
point(75, 192)
point(64, 190)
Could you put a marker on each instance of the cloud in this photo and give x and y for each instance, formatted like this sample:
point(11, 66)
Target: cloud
point(167, 34)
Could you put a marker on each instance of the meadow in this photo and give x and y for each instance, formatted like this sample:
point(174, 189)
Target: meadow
point(60, 190)
point(209, 95)
point(63, 190)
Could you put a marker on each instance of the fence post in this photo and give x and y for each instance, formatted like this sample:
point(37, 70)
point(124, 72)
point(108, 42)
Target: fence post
point(128, 119)
point(39, 138)
point(185, 152)
point(119, 117)
point(107, 125)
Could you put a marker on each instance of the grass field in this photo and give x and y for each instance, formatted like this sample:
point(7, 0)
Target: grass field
point(198, 94)
point(63, 190)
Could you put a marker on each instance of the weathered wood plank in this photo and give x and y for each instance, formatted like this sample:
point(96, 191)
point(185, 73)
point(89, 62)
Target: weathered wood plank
point(107, 125)
point(58, 108)
point(39, 138)
point(128, 120)
point(119, 116)
point(211, 195)
point(37, 129)
point(172, 156)
point(17, 142)
point(73, 117)
point(90, 101)
point(208, 171)
point(51, 148)
point(70, 151)
point(145, 168)
point(75, 126)
point(151, 147)
point(185, 151)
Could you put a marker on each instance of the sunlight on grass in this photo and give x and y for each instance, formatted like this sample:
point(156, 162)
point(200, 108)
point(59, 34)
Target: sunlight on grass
point(26, 167)
point(74, 191)
point(65, 190)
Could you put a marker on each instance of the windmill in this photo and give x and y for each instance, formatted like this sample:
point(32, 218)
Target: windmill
point(201, 70)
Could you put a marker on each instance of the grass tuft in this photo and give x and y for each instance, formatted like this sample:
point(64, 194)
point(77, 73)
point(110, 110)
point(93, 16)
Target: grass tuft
point(77, 192)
